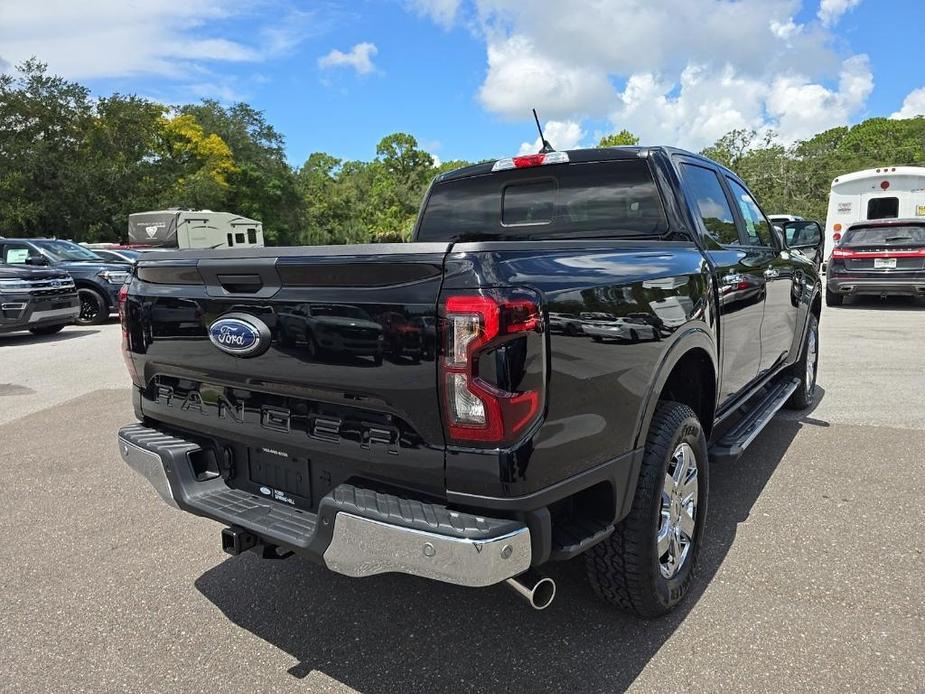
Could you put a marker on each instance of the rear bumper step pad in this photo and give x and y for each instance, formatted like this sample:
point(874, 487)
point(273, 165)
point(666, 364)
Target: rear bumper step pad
point(356, 531)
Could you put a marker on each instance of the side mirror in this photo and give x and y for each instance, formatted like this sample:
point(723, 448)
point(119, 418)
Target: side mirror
point(803, 235)
point(36, 260)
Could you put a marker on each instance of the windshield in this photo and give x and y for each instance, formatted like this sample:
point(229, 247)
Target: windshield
point(66, 250)
point(885, 236)
point(609, 198)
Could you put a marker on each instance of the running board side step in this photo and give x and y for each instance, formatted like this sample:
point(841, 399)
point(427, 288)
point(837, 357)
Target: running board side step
point(737, 439)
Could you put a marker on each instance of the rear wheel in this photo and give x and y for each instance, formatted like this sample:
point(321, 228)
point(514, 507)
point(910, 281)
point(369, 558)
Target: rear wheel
point(646, 566)
point(805, 368)
point(833, 299)
point(47, 330)
point(93, 307)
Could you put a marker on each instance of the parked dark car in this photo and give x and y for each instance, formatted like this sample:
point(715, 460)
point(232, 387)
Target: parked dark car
point(519, 446)
point(40, 300)
point(884, 257)
point(97, 280)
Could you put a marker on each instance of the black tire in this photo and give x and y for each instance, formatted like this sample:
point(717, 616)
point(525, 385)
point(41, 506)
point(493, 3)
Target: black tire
point(93, 307)
point(805, 394)
point(625, 569)
point(47, 329)
point(571, 330)
point(833, 299)
point(377, 359)
point(597, 338)
point(634, 336)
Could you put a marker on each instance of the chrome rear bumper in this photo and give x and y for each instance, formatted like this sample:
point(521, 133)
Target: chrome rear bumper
point(364, 547)
point(355, 532)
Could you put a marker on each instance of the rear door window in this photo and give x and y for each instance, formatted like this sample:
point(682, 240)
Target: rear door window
point(595, 199)
point(883, 208)
point(707, 195)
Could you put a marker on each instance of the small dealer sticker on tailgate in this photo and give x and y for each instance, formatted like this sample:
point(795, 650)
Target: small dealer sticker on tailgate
point(277, 495)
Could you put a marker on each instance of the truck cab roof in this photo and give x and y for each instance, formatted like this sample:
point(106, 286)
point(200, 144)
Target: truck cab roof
point(590, 154)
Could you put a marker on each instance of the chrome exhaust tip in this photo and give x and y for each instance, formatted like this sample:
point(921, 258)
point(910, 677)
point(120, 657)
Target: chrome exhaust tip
point(536, 589)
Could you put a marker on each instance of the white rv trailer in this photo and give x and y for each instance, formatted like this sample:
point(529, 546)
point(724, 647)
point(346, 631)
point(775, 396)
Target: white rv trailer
point(175, 228)
point(886, 193)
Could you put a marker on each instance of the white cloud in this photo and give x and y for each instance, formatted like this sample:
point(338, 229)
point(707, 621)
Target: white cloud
point(360, 58)
point(443, 12)
point(802, 109)
point(521, 77)
point(830, 11)
point(913, 105)
point(786, 29)
point(180, 39)
point(560, 134)
point(743, 64)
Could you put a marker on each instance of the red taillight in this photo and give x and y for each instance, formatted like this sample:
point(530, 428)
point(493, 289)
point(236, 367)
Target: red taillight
point(476, 410)
point(123, 297)
point(846, 253)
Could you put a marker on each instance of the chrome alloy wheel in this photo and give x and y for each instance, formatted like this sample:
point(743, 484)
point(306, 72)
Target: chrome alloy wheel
point(679, 511)
point(812, 358)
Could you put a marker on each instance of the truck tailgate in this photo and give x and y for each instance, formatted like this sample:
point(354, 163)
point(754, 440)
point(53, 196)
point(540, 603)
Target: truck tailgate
point(345, 373)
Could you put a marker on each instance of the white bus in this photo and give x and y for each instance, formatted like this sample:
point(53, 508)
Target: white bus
point(886, 193)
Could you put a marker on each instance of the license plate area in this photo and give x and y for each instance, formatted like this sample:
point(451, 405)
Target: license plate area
point(280, 476)
point(884, 263)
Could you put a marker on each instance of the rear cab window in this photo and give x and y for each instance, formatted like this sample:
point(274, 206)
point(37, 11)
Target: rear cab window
point(575, 200)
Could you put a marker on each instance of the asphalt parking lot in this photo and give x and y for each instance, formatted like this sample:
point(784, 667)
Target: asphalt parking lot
point(810, 579)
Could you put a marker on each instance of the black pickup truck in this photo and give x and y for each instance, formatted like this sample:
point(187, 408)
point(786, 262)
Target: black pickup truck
point(481, 445)
point(40, 300)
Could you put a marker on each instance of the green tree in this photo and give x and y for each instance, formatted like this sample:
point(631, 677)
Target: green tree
point(43, 119)
point(120, 166)
point(196, 164)
point(263, 184)
point(622, 138)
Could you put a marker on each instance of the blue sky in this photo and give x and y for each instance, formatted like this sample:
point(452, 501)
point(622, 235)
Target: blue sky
point(461, 75)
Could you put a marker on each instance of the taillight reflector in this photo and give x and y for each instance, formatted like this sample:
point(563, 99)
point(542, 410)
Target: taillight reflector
point(529, 160)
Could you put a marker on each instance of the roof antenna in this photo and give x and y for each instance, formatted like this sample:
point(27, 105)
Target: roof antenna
point(546, 146)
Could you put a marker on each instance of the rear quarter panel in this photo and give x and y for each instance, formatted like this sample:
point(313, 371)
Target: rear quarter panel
point(598, 392)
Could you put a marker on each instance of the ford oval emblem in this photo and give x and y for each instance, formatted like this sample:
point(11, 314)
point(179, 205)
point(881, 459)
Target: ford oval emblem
point(240, 334)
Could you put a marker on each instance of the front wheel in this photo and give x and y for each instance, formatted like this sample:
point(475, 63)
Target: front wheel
point(805, 369)
point(93, 307)
point(47, 330)
point(646, 566)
